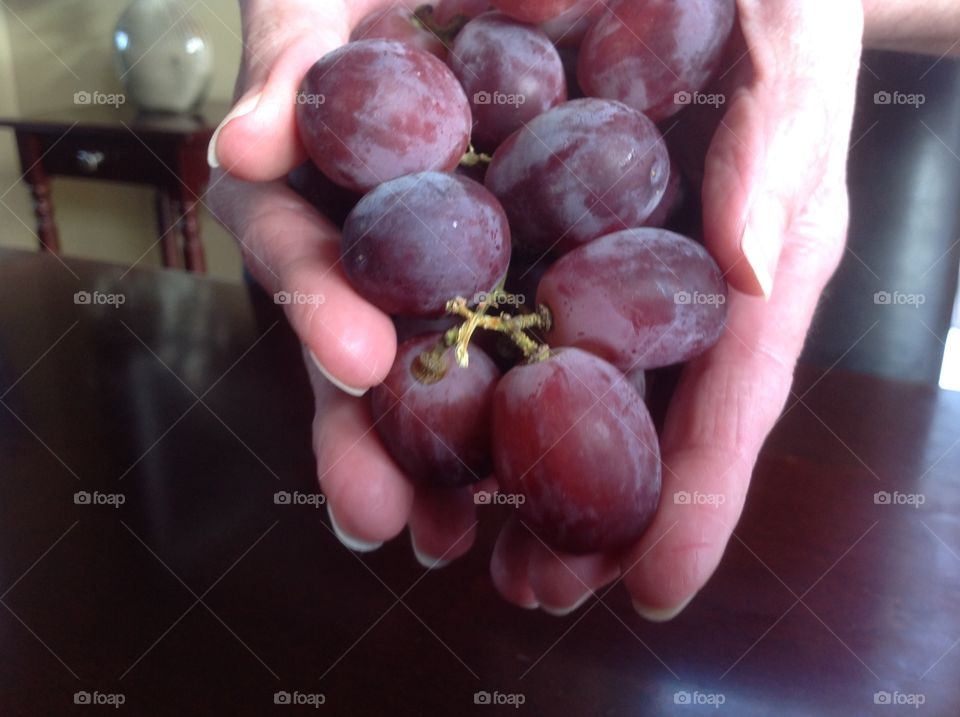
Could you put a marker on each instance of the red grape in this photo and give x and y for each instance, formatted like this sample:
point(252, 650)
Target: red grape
point(582, 170)
point(640, 298)
point(645, 52)
point(437, 432)
point(672, 198)
point(573, 436)
point(398, 23)
point(416, 242)
point(449, 10)
point(570, 27)
point(532, 11)
point(511, 73)
point(375, 110)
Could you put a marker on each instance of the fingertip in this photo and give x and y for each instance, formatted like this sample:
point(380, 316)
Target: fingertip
point(509, 565)
point(355, 392)
point(443, 525)
point(349, 541)
point(354, 352)
point(350, 341)
point(243, 107)
point(368, 498)
point(655, 614)
point(563, 582)
point(262, 144)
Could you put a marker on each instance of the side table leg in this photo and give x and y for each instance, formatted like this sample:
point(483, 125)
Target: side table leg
point(167, 226)
point(31, 160)
point(194, 258)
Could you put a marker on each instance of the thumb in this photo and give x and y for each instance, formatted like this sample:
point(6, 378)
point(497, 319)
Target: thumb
point(779, 136)
point(258, 139)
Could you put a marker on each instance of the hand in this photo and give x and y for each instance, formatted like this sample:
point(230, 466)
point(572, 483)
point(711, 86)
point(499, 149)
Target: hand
point(289, 247)
point(775, 213)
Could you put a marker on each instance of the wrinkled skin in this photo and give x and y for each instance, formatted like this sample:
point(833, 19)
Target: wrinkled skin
point(775, 205)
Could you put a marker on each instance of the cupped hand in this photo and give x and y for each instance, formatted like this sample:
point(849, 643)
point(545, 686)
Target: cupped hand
point(775, 217)
point(349, 345)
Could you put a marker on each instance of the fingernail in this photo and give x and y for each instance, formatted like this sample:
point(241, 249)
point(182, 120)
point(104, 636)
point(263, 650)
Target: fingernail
point(425, 560)
point(660, 614)
point(354, 544)
point(243, 107)
point(761, 245)
point(564, 611)
point(349, 390)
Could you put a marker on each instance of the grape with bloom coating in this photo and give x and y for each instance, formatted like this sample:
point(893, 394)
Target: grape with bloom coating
point(511, 73)
point(651, 54)
point(570, 27)
point(416, 242)
point(532, 11)
point(671, 200)
point(449, 10)
point(641, 298)
point(399, 23)
point(438, 433)
point(573, 436)
point(582, 170)
point(375, 110)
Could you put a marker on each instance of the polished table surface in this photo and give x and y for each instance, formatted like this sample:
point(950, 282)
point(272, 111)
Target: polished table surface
point(187, 405)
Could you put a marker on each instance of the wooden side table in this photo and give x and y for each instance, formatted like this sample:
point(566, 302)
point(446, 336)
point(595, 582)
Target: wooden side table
point(167, 152)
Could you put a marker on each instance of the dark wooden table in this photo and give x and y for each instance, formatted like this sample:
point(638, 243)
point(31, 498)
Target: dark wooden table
point(99, 141)
point(198, 595)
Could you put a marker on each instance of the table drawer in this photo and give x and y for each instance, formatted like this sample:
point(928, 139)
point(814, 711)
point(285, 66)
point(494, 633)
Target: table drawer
point(119, 157)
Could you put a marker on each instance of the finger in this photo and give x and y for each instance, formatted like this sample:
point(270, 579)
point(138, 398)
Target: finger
point(562, 582)
point(368, 499)
point(294, 253)
point(725, 405)
point(443, 525)
point(510, 562)
point(770, 152)
point(258, 140)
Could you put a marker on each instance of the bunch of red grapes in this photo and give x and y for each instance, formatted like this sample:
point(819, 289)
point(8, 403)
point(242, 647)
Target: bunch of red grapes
point(507, 188)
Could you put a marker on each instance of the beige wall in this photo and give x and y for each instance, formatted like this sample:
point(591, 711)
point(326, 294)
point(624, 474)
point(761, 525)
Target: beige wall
point(50, 49)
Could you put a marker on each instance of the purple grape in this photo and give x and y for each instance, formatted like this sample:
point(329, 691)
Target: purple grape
point(375, 110)
point(573, 436)
point(511, 73)
point(438, 433)
point(670, 201)
point(651, 54)
point(582, 170)
point(449, 10)
point(399, 23)
point(533, 11)
point(570, 27)
point(416, 242)
point(640, 299)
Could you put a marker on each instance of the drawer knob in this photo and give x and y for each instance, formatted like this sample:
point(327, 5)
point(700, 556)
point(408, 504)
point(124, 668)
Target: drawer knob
point(89, 162)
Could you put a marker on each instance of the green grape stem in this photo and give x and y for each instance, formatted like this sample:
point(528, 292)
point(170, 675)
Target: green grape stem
point(472, 158)
point(431, 366)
